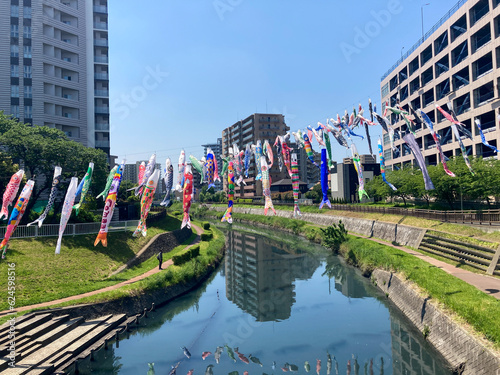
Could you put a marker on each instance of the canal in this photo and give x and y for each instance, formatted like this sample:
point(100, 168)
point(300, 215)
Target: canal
point(283, 304)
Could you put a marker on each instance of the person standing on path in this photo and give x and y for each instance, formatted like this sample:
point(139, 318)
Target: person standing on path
point(160, 259)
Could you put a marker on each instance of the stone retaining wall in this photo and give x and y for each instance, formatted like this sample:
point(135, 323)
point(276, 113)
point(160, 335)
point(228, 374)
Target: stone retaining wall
point(401, 234)
point(456, 345)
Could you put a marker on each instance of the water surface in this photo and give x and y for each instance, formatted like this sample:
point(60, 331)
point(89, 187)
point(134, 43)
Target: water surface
point(281, 300)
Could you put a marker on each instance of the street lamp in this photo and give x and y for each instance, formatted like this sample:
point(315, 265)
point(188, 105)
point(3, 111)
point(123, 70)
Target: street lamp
point(422, 15)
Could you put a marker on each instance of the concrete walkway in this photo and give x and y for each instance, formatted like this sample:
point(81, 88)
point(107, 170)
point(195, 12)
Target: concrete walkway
point(488, 284)
point(165, 265)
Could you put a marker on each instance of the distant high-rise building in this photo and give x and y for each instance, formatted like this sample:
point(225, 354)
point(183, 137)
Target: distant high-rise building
point(456, 62)
point(131, 173)
point(217, 150)
point(54, 68)
point(248, 131)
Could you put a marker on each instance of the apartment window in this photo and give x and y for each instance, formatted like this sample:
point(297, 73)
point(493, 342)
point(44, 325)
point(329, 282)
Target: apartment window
point(416, 104)
point(481, 38)
point(27, 52)
point(487, 121)
point(484, 94)
point(14, 10)
point(386, 138)
point(403, 74)
point(428, 97)
point(441, 43)
point(462, 104)
point(482, 66)
point(393, 82)
point(14, 110)
point(14, 91)
point(495, 3)
point(27, 32)
point(388, 154)
point(442, 66)
point(442, 89)
point(14, 31)
point(28, 92)
point(14, 70)
point(27, 71)
point(14, 50)
point(426, 55)
point(458, 28)
point(478, 11)
point(403, 93)
point(27, 12)
point(28, 111)
point(414, 65)
point(385, 90)
point(427, 77)
point(460, 53)
point(414, 85)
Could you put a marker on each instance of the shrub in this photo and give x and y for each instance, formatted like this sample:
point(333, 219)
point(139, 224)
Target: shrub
point(334, 235)
point(187, 256)
point(207, 235)
point(206, 225)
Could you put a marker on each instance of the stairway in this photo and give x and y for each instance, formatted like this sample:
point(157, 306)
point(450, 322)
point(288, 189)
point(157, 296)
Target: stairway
point(473, 255)
point(46, 344)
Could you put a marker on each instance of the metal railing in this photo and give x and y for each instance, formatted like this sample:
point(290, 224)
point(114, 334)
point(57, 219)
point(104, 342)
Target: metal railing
point(426, 36)
point(51, 230)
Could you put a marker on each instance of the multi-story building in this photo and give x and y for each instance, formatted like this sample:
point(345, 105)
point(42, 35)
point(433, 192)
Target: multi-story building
point(456, 62)
point(248, 131)
point(217, 150)
point(54, 66)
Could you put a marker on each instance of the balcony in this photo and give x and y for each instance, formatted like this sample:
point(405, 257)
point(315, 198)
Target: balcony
point(101, 93)
point(100, 9)
point(104, 144)
point(101, 25)
point(101, 42)
point(101, 59)
point(102, 110)
point(102, 127)
point(102, 76)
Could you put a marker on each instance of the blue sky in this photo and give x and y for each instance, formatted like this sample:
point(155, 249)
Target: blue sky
point(183, 70)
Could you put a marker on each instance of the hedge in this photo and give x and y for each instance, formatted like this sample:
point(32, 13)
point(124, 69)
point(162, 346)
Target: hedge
point(207, 235)
point(187, 256)
point(206, 225)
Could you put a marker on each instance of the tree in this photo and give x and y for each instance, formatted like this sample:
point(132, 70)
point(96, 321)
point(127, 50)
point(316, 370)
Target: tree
point(39, 149)
point(406, 180)
point(7, 169)
point(378, 189)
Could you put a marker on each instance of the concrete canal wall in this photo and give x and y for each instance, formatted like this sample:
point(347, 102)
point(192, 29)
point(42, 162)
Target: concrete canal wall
point(458, 347)
point(401, 234)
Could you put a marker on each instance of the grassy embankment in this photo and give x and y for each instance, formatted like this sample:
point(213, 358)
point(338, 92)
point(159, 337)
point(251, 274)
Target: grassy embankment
point(209, 252)
point(42, 276)
point(464, 302)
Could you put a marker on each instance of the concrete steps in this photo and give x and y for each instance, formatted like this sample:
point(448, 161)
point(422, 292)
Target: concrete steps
point(476, 256)
point(44, 342)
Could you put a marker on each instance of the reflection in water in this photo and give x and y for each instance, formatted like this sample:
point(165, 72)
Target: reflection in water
point(260, 275)
point(287, 307)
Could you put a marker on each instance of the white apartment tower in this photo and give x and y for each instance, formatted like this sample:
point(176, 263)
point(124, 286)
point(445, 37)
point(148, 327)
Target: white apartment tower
point(54, 66)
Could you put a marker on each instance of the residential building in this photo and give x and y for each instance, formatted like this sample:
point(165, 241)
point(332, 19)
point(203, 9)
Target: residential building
point(54, 66)
point(456, 62)
point(257, 126)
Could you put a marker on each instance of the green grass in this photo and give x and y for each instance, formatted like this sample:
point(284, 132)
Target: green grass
point(209, 252)
point(469, 303)
point(42, 276)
